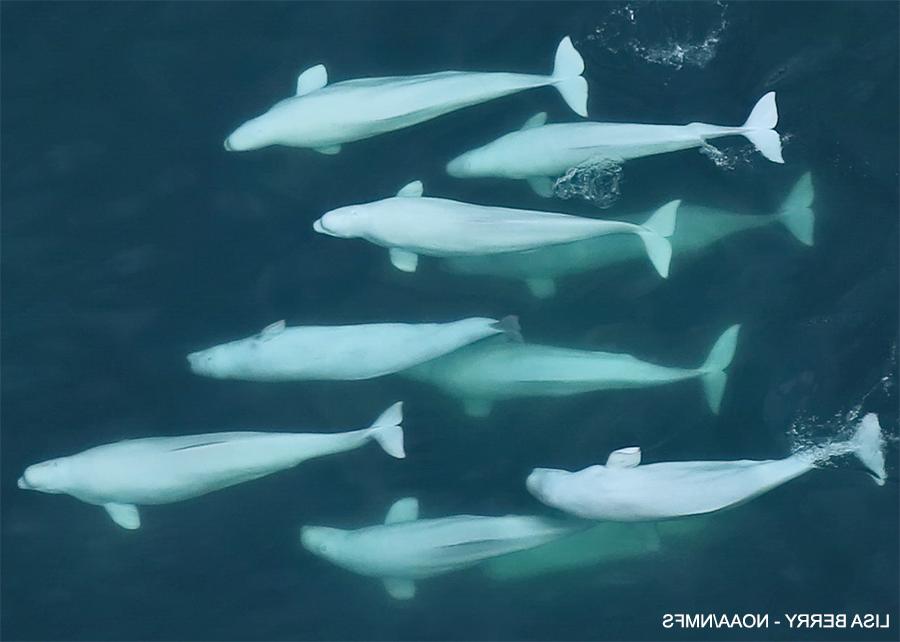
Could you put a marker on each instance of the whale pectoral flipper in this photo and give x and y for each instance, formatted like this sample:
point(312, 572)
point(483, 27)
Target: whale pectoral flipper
point(541, 288)
point(403, 260)
point(331, 150)
point(541, 185)
point(125, 515)
point(478, 408)
point(272, 330)
point(412, 190)
point(538, 120)
point(624, 458)
point(312, 79)
point(400, 589)
point(403, 510)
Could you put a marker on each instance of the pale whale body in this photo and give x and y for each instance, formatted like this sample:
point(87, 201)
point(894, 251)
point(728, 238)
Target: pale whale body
point(485, 373)
point(699, 228)
point(406, 548)
point(345, 353)
point(162, 470)
point(539, 152)
point(410, 225)
point(624, 490)
point(322, 116)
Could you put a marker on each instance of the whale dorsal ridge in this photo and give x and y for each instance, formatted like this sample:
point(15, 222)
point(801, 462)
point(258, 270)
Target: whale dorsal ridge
point(412, 190)
point(272, 330)
point(403, 510)
point(624, 458)
point(312, 79)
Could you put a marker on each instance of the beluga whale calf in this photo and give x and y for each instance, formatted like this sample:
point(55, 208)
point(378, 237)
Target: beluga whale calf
point(540, 153)
point(344, 352)
point(161, 470)
point(699, 229)
point(409, 225)
point(482, 374)
point(405, 548)
point(323, 117)
point(625, 490)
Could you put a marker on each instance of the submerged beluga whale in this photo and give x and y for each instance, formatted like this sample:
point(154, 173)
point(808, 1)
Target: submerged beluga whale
point(409, 225)
point(482, 374)
point(346, 353)
point(626, 490)
point(161, 470)
point(323, 117)
point(540, 153)
point(406, 548)
point(699, 228)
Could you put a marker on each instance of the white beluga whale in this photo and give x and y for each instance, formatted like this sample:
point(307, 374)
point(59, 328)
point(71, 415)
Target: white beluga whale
point(626, 490)
point(699, 228)
point(323, 117)
point(161, 470)
point(409, 225)
point(346, 352)
point(605, 543)
point(540, 153)
point(482, 374)
point(405, 548)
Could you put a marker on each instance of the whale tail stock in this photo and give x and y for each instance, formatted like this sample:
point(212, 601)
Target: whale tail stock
point(567, 69)
point(388, 432)
point(655, 233)
point(713, 375)
point(796, 212)
point(868, 446)
point(759, 128)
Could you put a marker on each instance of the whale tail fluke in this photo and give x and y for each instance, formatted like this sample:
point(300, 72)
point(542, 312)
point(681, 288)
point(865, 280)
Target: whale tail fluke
point(868, 446)
point(509, 326)
point(655, 233)
point(388, 432)
point(796, 211)
point(713, 375)
point(567, 69)
point(759, 128)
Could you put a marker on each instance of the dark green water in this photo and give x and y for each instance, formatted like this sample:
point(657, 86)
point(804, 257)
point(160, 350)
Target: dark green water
point(130, 237)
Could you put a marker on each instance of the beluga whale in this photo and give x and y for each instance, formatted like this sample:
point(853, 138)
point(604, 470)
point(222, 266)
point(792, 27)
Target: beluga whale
point(409, 225)
point(344, 352)
point(405, 548)
point(625, 490)
point(161, 470)
point(540, 153)
point(323, 117)
point(482, 374)
point(699, 229)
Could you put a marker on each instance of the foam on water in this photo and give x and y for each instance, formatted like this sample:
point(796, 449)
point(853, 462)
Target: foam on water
point(693, 32)
point(598, 181)
point(824, 438)
point(732, 157)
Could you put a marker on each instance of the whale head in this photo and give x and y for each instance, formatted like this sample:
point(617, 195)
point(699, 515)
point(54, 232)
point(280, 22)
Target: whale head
point(254, 134)
point(47, 477)
point(324, 542)
point(468, 165)
point(208, 363)
point(498, 158)
point(544, 482)
point(222, 361)
point(343, 222)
